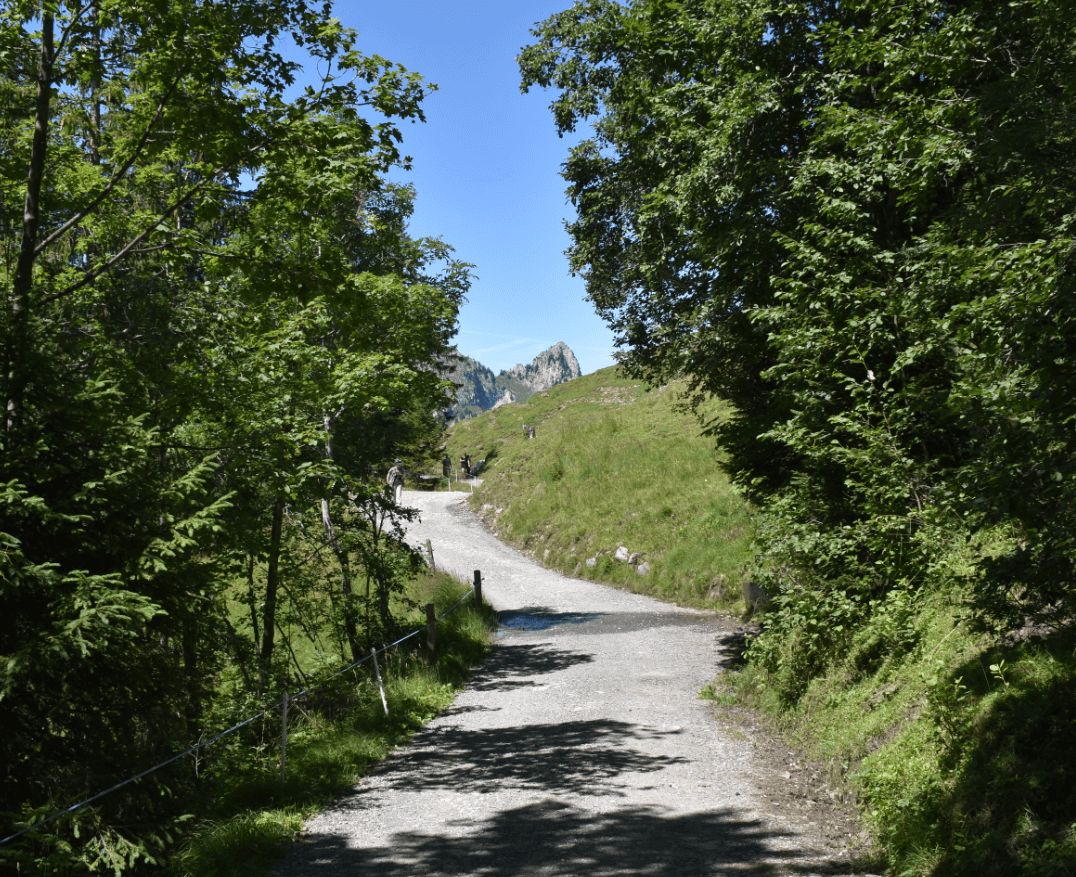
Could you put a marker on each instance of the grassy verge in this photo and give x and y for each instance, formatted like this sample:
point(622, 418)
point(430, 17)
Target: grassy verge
point(612, 465)
point(960, 751)
point(334, 738)
point(958, 747)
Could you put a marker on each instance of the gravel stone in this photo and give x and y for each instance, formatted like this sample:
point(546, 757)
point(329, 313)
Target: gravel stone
point(581, 747)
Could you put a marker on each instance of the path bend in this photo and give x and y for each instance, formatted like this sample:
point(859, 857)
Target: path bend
point(580, 748)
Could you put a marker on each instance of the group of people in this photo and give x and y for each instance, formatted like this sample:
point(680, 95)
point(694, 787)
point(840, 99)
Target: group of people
point(465, 465)
point(395, 477)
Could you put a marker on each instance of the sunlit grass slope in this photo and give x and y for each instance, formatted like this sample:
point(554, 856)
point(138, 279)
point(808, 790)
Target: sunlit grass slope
point(612, 464)
point(959, 745)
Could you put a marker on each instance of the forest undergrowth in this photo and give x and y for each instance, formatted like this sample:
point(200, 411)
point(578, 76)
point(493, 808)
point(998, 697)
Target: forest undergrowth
point(335, 734)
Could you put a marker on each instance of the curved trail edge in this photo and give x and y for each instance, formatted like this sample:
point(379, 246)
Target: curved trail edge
point(580, 747)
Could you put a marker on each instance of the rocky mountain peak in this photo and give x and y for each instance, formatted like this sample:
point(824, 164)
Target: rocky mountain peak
point(478, 390)
point(549, 368)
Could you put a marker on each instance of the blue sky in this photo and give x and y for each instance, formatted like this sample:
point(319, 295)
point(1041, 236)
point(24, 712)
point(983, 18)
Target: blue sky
point(486, 168)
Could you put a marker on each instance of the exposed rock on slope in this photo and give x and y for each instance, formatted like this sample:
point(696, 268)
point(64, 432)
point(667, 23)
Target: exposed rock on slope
point(552, 367)
point(479, 390)
point(477, 387)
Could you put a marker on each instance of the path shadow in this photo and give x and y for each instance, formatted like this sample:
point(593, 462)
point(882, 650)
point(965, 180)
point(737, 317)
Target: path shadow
point(731, 646)
point(457, 710)
point(579, 757)
point(555, 839)
point(540, 618)
point(512, 665)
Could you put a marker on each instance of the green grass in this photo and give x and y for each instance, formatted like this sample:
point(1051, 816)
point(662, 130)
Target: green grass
point(249, 825)
point(958, 747)
point(960, 751)
point(612, 465)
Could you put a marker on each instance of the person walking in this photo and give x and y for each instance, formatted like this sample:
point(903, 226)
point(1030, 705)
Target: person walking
point(446, 466)
point(395, 481)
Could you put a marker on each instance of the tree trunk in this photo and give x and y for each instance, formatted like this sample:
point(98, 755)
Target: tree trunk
point(252, 602)
point(351, 628)
point(18, 340)
point(350, 619)
point(95, 93)
point(272, 580)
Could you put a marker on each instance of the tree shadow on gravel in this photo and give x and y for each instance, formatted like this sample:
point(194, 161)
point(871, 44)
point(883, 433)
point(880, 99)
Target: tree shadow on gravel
point(539, 619)
point(731, 645)
point(536, 618)
point(511, 665)
point(580, 757)
point(555, 839)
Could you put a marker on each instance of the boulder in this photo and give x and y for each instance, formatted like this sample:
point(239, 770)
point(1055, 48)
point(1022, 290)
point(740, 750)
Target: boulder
point(643, 568)
point(755, 596)
point(622, 554)
point(719, 589)
point(633, 558)
point(592, 562)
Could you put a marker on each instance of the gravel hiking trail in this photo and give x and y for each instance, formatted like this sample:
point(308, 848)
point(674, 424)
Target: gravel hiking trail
point(581, 747)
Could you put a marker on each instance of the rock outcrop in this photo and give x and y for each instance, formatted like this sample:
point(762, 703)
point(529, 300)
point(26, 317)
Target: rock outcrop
point(478, 389)
point(549, 368)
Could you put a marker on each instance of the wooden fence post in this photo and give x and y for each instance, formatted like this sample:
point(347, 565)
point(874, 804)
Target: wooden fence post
point(284, 738)
point(478, 587)
point(431, 632)
point(380, 686)
point(429, 554)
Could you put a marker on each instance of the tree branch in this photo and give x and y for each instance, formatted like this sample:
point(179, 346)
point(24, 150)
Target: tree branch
point(134, 242)
point(118, 175)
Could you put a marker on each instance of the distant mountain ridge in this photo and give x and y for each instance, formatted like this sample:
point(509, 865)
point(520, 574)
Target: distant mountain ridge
point(480, 390)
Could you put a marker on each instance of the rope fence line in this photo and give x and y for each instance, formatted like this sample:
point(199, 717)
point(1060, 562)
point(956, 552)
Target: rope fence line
point(477, 590)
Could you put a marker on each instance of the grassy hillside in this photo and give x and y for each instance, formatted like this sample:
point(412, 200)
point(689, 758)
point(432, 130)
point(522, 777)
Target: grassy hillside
point(612, 465)
point(959, 746)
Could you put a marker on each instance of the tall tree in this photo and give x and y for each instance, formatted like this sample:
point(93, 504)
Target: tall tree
point(852, 221)
point(171, 350)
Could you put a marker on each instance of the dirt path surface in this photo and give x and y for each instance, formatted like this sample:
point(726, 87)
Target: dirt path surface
point(580, 748)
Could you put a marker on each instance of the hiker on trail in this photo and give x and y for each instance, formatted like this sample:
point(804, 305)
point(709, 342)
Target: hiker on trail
point(395, 481)
point(465, 464)
point(446, 466)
